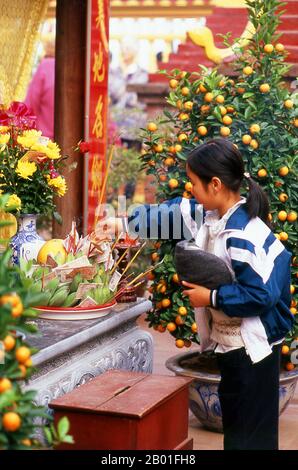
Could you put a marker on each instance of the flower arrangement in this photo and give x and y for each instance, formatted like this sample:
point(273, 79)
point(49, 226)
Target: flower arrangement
point(30, 164)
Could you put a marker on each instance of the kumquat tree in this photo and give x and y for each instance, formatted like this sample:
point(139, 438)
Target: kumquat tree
point(18, 412)
point(258, 113)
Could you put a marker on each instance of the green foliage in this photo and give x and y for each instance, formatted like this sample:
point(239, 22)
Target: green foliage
point(232, 108)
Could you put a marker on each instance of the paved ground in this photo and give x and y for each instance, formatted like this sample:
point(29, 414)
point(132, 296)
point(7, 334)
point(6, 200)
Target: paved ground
point(164, 348)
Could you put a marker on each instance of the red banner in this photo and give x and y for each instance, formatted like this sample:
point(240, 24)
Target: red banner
point(96, 108)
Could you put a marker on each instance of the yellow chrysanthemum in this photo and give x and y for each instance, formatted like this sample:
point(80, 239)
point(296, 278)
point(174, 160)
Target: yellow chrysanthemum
point(14, 202)
point(39, 147)
point(32, 133)
point(3, 129)
point(4, 138)
point(53, 151)
point(26, 169)
point(59, 184)
point(26, 141)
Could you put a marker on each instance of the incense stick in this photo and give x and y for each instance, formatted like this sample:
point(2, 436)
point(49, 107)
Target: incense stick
point(119, 261)
point(103, 188)
point(133, 258)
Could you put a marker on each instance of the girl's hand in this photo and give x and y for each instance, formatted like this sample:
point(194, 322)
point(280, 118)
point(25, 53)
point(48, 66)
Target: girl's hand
point(199, 296)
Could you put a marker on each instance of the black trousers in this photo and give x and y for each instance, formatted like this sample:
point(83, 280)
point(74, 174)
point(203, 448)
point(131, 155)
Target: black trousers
point(249, 399)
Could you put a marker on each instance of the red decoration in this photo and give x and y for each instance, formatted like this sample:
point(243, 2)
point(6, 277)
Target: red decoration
point(18, 115)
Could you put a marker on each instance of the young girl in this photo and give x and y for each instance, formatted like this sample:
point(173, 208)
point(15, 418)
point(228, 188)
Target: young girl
point(244, 322)
point(247, 320)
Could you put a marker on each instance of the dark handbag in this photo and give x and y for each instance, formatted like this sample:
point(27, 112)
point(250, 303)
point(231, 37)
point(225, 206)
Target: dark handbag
point(199, 267)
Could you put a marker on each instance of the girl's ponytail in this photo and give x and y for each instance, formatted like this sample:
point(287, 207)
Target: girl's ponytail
point(257, 203)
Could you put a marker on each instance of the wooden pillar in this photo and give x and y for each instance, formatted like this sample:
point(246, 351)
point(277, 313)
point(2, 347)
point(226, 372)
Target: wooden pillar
point(71, 17)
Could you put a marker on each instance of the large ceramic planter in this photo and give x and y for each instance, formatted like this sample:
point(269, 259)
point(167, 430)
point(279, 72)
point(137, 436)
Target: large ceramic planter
point(204, 400)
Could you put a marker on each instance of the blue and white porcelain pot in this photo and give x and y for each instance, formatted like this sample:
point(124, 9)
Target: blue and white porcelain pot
point(26, 243)
point(203, 396)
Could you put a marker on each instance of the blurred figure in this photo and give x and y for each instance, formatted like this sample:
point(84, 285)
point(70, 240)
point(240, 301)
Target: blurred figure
point(40, 94)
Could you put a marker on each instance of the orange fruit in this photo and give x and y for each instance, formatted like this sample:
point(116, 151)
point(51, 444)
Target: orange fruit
point(5, 384)
point(175, 278)
point(283, 171)
point(18, 310)
point(188, 186)
point(221, 84)
point(225, 131)
point(26, 442)
point(202, 88)
point(282, 215)
point(179, 343)
point(186, 195)
point(158, 148)
point(270, 217)
point(151, 163)
point(247, 70)
point(11, 421)
point(22, 354)
point(173, 183)
point(179, 104)
point(220, 99)
point(178, 320)
point(185, 91)
point(172, 149)
point(173, 83)
point(262, 173)
point(292, 216)
point(279, 47)
point(283, 197)
point(150, 276)
point(277, 236)
point(155, 257)
point(295, 122)
point(227, 120)
point(230, 109)
point(285, 349)
point(182, 75)
point(182, 137)
point(283, 236)
point(241, 90)
point(183, 117)
point(9, 343)
point(178, 148)
point(223, 110)
point(23, 370)
point(188, 105)
point(194, 328)
point(208, 97)
point(264, 88)
point(289, 104)
point(169, 161)
point(182, 311)
point(13, 299)
point(163, 178)
point(246, 139)
point(293, 310)
point(163, 289)
point(171, 327)
point(268, 48)
point(202, 130)
point(205, 108)
point(289, 366)
point(292, 289)
point(187, 343)
point(254, 144)
point(161, 328)
point(254, 129)
point(152, 127)
point(165, 303)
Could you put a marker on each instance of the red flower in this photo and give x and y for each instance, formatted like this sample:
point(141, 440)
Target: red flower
point(19, 115)
point(84, 147)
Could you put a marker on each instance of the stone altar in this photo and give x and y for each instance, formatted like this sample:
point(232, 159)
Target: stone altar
point(73, 352)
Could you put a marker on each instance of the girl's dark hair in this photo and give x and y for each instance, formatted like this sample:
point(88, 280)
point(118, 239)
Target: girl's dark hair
point(221, 158)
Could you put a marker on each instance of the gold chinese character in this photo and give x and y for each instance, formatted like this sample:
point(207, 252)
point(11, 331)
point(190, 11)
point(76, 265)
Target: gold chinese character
point(98, 68)
point(98, 124)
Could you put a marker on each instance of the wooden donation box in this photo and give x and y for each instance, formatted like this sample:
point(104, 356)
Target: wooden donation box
point(123, 410)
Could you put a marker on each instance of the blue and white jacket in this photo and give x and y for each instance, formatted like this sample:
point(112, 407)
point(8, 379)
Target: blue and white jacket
point(260, 294)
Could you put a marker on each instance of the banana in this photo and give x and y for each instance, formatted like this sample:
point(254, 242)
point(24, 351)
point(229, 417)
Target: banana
point(59, 297)
point(75, 283)
point(70, 300)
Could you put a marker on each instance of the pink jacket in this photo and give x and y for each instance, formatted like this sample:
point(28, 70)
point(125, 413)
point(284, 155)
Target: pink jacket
point(40, 96)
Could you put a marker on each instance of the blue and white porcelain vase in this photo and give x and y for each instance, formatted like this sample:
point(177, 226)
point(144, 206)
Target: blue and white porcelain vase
point(26, 242)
